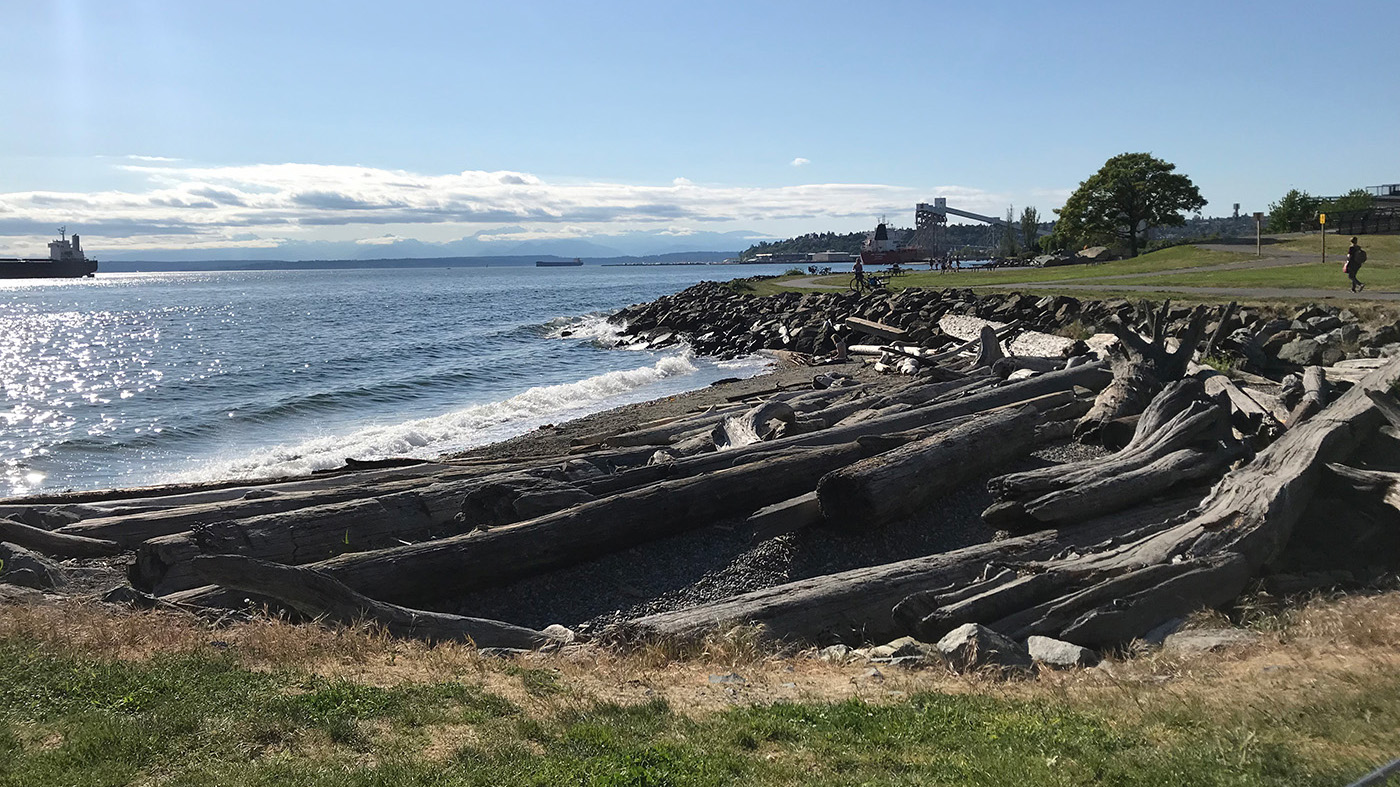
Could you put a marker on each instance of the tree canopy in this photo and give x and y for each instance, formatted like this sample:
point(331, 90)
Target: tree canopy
point(1294, 211)
point(1129, 195)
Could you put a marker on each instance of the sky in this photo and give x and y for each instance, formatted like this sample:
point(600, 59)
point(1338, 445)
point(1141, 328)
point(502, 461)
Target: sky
point(304, 129)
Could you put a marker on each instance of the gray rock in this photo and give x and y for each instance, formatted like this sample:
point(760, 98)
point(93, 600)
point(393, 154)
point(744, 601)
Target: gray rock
point(728, 677)
point(20, 566)
point(1060, 654)
point(128, 596)
point(1326, 322)
point(836, 653)
point(973, 645)
point(1207, 640)
point(1303, 352)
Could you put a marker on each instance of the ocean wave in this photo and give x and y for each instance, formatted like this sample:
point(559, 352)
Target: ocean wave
point(430, 437)
point(589, 327)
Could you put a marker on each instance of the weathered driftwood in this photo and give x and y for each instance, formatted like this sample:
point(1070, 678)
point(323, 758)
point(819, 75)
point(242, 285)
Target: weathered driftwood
point(1316, 392)
point(132, 528)
point(989, 349)
point(752, 426)
point(897, 483)
point(1106, 595)
point(1248, 415)
point(857, 606)
point(879, 330)
point(55, 544)
point(1140, 368)
point(1000, 333)
point(787, 516)
point(1384, 484)
point(1221, 329)
point(1176, 418)
point(322, 597)
point(1092, 376)
point(436, 569)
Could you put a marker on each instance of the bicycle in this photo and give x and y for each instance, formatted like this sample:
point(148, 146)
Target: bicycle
point(867, 283)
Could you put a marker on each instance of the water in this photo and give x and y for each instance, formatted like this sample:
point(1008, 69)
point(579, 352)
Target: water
point(134, 379)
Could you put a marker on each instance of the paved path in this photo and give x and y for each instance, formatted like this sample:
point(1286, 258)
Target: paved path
point(1229, 292)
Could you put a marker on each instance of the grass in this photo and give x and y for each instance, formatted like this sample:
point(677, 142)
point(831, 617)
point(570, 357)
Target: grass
point(1170, 271)
point(89, 696)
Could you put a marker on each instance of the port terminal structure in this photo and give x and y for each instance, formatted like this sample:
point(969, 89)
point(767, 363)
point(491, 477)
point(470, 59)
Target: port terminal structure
point(931, 222)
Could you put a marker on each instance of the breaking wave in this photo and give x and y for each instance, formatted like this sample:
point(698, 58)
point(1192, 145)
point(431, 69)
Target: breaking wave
point(455, 431)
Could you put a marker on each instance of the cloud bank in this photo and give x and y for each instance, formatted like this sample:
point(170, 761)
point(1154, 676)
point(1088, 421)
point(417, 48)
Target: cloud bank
point(261, 205)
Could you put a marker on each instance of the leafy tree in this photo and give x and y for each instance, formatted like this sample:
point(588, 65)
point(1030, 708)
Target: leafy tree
point(1356, 199)
point(1126, 198)
point(1030, 226)
point(1296, 210)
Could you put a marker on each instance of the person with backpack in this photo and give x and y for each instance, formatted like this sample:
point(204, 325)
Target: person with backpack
point(1356, 256)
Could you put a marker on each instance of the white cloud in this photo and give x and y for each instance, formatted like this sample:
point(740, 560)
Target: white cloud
point(382, 240)
point(191, 206)
point(799, 161)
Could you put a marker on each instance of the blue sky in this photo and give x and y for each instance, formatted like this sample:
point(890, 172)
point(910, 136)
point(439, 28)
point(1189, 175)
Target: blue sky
point(278, 128)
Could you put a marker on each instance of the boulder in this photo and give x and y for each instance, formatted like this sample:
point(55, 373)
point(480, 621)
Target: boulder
point(23, 567)
point(1060, 654)
point(973, 645)
point(1207, 640)
point(1302, 352)
point(1095, 254)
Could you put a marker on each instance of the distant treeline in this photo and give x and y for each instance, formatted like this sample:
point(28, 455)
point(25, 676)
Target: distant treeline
point(956, 236)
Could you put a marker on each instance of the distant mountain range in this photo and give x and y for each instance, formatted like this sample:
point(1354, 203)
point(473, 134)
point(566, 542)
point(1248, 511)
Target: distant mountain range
point(134, 266)
point(494, 244)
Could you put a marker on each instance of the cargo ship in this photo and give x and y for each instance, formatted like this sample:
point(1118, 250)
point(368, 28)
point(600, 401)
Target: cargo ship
point(66, 260)
point(574, 263)
point(878, 249)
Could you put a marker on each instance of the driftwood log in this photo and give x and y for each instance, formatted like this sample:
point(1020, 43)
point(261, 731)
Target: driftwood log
point(1140, 368)
point(321, 597)
point(897, 483)
point(1182, 436)
point(53, 544)
point(432, 570)
point(1110, 594)
point(857, 606)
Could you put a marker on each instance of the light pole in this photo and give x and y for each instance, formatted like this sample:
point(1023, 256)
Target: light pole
point(1258, 237)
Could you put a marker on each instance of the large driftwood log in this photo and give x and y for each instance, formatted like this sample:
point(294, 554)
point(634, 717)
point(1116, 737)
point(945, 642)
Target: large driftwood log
point(1182, 435)
point(1092, 376)
point(1140, 368)
point(436, 569)
point(856, 606)
point(897, 483)
point(1105, 595)
point(53, 544)
point(1316, 392)
point(752, 426)
point(132, 528)
point(318, 596)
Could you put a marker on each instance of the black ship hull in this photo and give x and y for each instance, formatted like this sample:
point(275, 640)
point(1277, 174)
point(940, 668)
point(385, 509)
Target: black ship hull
point(46, 269)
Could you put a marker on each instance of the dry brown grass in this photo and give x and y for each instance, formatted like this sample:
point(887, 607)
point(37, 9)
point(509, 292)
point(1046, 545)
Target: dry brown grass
point(1326, 644)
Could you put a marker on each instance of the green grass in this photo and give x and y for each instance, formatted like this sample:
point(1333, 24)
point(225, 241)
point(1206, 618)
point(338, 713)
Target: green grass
point(206, 720)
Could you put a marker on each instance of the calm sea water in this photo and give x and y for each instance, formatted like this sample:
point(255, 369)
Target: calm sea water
point(133, 379)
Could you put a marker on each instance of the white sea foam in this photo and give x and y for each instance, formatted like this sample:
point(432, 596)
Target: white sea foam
point(589, 326)
point(430, 437)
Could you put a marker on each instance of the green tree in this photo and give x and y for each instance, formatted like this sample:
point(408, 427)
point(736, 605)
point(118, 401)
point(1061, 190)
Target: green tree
point(1030, 227)
point(1125, 199)
point(1294, 211)
point(1356, 199)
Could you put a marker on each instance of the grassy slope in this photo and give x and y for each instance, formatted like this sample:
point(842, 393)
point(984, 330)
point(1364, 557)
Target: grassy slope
point(89, 697)
point(1382, 271)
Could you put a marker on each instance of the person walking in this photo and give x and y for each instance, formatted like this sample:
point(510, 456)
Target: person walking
point(1356, 257)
